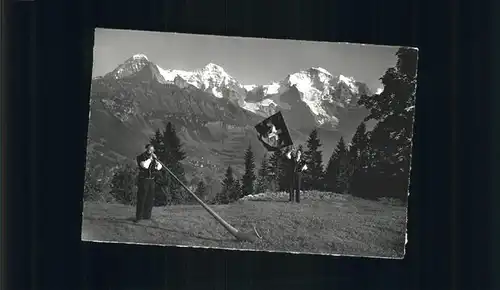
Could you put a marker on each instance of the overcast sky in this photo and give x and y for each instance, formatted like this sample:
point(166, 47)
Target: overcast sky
point(249, 60)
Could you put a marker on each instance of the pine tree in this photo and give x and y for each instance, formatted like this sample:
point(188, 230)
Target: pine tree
point(359, 142)
point(237, 191)
point(337, 173)
point(228, 186)
point(161, 198)
point(358, 152)
point(157, 142)
point(342, 173)
point(173, 146)
point(201, 190)
point(276, 170)
point(263, 180)
point(228, 177)
point(249, 176)
point(390, 140)
point(364, 171)
point(209, 183)
point(313, 176)
point(171, 154)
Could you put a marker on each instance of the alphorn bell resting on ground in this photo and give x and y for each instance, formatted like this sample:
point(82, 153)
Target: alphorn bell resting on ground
point(148, 167)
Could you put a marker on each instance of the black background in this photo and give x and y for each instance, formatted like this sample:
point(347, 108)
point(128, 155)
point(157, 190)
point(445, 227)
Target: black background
point(49, 61)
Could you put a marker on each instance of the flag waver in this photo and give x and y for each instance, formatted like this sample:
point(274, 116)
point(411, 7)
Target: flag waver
point(273, 132)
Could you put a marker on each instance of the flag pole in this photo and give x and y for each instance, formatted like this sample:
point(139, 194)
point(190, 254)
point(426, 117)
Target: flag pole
point(232, 230)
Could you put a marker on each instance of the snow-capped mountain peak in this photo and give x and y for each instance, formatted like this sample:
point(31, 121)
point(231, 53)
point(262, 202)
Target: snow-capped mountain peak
point(212, 67)
point(170, 74)
point(140, 56)
point(350, 82)
point(347, 80)
point(316, 87)
point(131, 66)
point(211, 78)
point(322, 70)
point(314, 83)
point(213, 74)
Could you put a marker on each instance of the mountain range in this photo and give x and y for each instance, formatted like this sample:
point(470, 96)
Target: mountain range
point(213, 112)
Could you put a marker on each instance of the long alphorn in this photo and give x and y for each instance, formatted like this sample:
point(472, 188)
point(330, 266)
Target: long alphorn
point(232, 230)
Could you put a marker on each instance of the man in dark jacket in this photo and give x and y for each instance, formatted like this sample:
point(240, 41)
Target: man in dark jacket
point(148, 166)
point(295, 167)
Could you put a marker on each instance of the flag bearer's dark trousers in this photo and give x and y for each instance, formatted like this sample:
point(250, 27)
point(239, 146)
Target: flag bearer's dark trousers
point(295, 188)
point(145, 198)
point(297, 192)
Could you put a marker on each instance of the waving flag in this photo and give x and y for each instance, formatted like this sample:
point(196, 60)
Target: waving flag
point(273, 132)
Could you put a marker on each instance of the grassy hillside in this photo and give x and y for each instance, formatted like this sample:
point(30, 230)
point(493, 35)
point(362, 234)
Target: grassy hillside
point(321, 223)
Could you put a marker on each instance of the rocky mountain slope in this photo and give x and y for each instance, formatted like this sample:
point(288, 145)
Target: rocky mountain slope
point(213, 113)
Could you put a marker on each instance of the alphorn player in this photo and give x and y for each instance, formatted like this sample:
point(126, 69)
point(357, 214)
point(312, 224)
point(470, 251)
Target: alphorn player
point(148, 166)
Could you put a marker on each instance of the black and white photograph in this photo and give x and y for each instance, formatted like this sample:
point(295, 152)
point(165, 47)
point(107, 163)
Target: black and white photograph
point(249, 144)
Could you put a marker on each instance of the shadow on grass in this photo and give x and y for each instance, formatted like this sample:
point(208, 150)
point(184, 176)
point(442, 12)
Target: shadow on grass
point(131, 221)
